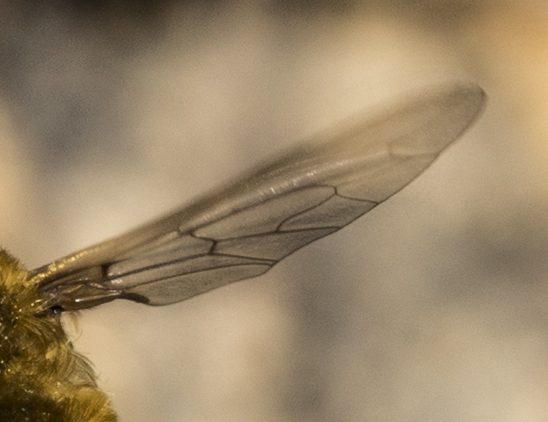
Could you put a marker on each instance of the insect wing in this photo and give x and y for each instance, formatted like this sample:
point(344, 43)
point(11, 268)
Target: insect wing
point(243, 230)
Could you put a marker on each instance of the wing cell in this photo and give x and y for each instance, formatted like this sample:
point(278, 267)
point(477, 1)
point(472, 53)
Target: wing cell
point(167, 270)
point(384, 179)
point(265, 217)
point(273, 246)
point(335, 212)
point(177, 248)
point(176, 289)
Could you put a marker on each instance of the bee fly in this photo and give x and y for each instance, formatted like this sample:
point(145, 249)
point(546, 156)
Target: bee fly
point(235, 233)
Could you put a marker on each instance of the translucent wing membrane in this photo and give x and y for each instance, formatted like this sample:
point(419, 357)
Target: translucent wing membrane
point(244, 229)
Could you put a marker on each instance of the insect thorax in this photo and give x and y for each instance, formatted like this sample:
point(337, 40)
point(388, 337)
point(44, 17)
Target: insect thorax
point(41, 378)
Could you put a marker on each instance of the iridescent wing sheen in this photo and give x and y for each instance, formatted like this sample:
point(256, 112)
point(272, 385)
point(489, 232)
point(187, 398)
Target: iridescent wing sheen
point(242, 230)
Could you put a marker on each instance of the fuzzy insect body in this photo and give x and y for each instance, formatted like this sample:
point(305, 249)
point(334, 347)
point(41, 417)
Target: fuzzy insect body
point(42, 379)
point(238, 232)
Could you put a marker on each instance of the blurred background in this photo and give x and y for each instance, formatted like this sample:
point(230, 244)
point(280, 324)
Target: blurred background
point(433, 307)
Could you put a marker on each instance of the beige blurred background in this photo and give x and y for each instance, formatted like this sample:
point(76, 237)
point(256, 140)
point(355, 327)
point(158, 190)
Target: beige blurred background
point(433, 307)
